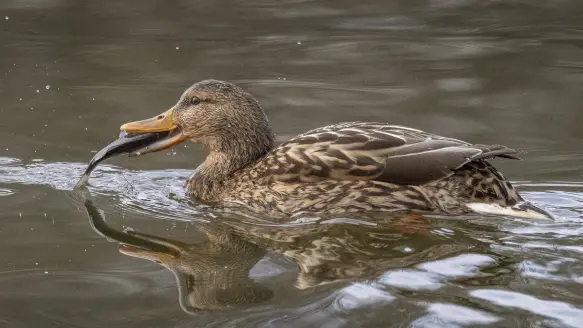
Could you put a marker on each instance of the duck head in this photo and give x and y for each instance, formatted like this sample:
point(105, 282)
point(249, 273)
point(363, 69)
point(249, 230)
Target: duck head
point(220, 116)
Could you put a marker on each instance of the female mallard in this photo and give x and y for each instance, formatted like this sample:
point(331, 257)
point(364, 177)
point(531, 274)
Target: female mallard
point(346, 167)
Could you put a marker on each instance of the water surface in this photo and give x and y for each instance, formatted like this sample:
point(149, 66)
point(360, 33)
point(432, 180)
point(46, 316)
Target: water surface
point(507, 72)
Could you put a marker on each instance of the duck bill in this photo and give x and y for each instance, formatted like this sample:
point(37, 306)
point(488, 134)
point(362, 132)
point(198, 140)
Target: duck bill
point(160, 123)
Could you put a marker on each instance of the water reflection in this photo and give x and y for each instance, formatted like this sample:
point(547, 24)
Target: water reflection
point(210, 275)
point(215, 274)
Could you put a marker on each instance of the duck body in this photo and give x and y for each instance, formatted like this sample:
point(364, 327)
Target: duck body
point(343, 168)
point(364, 167)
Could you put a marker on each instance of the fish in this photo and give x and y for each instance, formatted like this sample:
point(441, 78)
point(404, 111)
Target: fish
point(130, 143)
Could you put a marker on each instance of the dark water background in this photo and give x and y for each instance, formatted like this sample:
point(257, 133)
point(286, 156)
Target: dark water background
point(495, 71)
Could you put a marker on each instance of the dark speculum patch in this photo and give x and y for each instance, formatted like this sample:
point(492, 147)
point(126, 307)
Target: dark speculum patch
point(127, 143)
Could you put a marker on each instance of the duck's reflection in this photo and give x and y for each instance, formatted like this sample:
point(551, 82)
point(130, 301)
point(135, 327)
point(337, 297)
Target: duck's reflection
point(214, 274)
point(211, 275)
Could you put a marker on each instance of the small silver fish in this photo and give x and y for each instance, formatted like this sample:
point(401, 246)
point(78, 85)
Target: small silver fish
point(127, 143)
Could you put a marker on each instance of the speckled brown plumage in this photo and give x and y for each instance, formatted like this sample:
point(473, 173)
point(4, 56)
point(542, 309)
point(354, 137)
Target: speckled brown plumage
point(346, 167)
point(356, 167)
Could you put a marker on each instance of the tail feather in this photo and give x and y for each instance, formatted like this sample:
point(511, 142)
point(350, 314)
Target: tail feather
point(491, 151)
point(524, 210)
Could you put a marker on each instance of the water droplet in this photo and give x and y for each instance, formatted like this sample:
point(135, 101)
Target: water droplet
point(299, 42)
point(48, 86)
point(37, 90)
point(20, 98)
point(6, 17)
point(177, 48)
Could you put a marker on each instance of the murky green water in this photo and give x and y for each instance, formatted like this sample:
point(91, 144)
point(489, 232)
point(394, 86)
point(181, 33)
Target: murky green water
point(508, 72)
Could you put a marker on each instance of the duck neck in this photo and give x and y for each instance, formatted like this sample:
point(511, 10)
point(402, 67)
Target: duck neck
point(222, 165)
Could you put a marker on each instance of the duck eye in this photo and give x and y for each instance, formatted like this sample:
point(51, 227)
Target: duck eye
point(195, 100)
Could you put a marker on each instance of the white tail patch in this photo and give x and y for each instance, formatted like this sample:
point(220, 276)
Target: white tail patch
point(524, 210)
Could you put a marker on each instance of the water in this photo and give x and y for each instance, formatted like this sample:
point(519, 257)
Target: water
point(71, 73)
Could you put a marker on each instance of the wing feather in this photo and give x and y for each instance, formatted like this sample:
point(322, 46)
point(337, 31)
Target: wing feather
point(376, 151)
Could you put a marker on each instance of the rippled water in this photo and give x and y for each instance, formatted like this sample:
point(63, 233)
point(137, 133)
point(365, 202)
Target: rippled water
point(507, 72)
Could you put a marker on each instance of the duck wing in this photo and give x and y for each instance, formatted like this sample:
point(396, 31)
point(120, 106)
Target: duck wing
point(374, 151)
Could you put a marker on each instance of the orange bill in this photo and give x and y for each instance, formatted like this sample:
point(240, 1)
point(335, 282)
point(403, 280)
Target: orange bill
point(161, 123)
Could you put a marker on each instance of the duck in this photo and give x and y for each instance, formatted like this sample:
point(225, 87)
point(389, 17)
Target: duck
point(348, 167)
